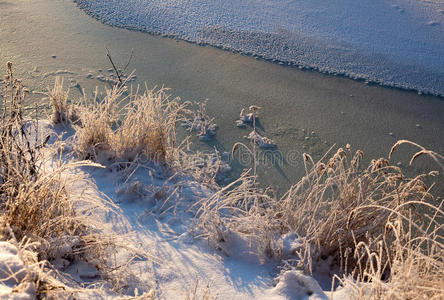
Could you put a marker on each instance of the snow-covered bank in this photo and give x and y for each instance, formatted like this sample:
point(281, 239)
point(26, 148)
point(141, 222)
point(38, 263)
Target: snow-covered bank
point(165, 257)
point(162, 256)
point(396, 43)
point(124, 228)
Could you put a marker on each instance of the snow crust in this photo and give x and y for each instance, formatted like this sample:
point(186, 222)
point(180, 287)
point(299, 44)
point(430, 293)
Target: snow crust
point(391, 42)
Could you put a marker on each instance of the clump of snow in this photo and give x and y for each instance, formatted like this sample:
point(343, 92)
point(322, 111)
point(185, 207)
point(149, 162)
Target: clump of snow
point(261, 141)
point(12, 268)
point(245, 118)
point(61, 247)
point(206, 130)
point(87, 271)
point(240, 124)
point(295, 285)
point(396, 43)
point(291, 243)
point(201, 123)
point(13, 273)
point(248, 118)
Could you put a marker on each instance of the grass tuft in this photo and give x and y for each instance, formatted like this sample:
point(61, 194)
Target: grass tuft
point(124, 128)
point(62, 111)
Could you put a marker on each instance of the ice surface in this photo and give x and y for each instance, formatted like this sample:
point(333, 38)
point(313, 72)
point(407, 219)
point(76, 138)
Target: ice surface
point(397, 43)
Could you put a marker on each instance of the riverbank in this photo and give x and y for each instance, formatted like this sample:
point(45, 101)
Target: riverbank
point(143, 219)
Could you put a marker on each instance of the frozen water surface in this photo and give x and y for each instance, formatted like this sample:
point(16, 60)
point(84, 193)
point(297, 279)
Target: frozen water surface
point(396, 43)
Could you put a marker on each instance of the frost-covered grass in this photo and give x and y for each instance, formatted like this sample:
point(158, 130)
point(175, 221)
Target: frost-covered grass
point(44, 215)
point(124, 127)
point(369, 228)
point(130, 128)
point(378, 231)
point(63, 112)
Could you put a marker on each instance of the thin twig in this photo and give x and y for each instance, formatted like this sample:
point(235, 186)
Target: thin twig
point(114, 66)
point(129, 60)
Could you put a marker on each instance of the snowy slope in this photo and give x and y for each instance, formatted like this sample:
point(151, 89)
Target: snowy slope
point(392, 42)
point(158, 217)
point(161, 253)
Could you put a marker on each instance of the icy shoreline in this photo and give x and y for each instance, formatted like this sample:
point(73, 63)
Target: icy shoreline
point(393, 44)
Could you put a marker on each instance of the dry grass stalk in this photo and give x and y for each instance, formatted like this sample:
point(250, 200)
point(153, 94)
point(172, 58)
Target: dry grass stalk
point(200, 293)
point(438, 158)
point(199, 121)
point(62, 111)
point(239, 208)
point(415, 254)
point(203, 167)
point(345, 210)
point(330, 205)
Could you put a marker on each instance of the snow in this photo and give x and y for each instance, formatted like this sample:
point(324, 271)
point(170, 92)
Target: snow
point(262, 141)
point(157, 213)
point(391, 42)
point(12, 274)
point(295, 285)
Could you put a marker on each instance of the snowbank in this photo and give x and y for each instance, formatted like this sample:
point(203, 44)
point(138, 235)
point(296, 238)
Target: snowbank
point(397, 43)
